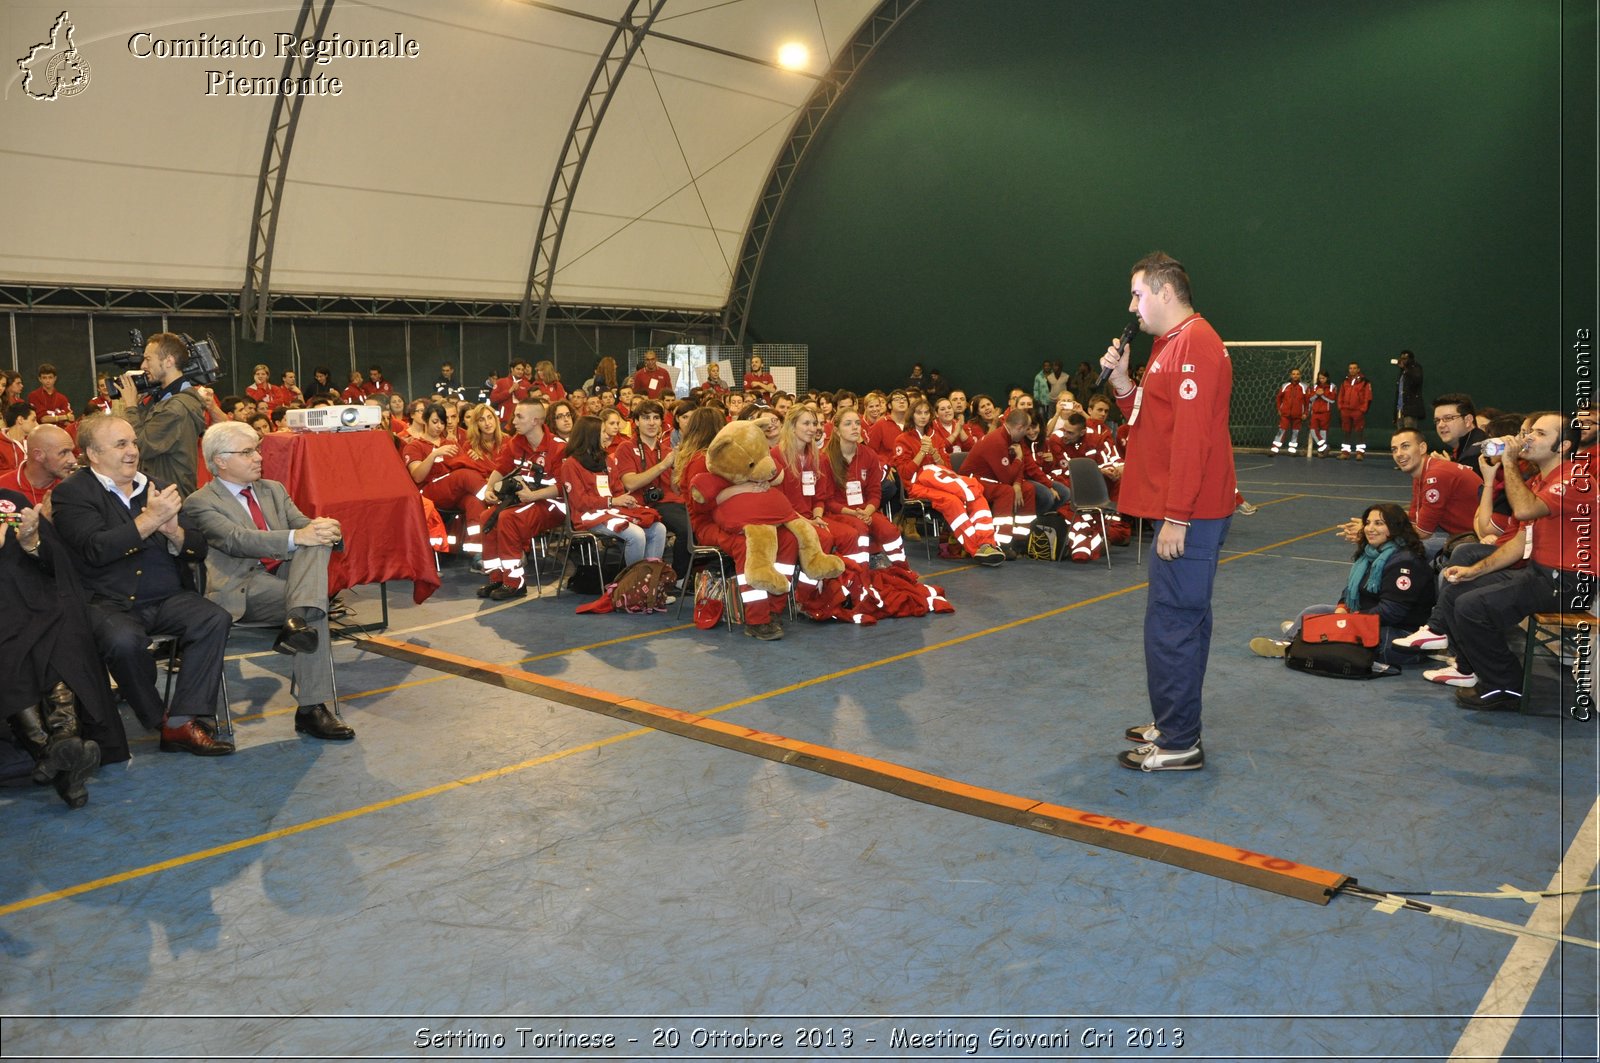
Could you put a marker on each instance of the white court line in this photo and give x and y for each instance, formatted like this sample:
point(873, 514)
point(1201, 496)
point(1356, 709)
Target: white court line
point(1487, 1035)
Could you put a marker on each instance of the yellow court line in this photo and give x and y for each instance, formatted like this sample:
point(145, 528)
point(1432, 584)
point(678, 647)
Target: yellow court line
point(301, 828)
point(339, 817)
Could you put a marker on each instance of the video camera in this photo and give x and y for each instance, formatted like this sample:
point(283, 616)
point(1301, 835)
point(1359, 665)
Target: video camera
point(203, 366)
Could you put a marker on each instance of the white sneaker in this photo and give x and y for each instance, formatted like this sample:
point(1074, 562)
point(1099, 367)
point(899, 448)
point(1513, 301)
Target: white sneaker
point(1424, 638)
point(1152, 757)
point(1450, 676)
point(1245, 509)
point(1265, 647)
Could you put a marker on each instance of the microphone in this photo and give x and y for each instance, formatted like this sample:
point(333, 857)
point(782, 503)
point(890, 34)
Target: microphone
point(1127, 338)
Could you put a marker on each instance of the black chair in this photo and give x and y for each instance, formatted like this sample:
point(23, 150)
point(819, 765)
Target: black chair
point(162, 642)
point(704, 557)
point(1090, 495)
point(591, 546)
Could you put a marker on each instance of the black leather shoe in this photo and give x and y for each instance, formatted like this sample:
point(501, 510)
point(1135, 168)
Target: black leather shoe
point(502, 593)
point(1488, 700)
point(318, 722)
point(297, 636)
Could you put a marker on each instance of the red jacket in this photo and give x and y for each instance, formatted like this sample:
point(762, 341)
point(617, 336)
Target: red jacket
point(1355, 395)
point(1179, 453)
point(992, 458)
point(866, 472)
point(908, 453)
point(1292, 400)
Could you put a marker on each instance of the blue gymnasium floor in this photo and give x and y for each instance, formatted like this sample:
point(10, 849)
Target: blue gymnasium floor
point(481, 860)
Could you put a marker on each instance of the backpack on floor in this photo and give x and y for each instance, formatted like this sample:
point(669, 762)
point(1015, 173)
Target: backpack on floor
point(643, 587)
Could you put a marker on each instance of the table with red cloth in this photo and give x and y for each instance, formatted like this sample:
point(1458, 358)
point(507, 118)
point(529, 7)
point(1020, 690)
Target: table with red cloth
point(358, 479)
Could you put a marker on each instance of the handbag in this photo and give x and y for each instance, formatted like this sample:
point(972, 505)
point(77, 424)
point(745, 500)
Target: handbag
point(1360, 629)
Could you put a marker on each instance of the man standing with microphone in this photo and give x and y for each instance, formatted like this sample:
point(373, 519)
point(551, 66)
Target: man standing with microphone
point(1178, 473)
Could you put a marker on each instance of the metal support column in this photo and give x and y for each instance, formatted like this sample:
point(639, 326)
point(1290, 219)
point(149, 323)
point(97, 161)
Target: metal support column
point(255, 300)
point(626, 37)
point(813, 115)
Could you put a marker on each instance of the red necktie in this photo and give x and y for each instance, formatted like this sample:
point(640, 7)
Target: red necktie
point(268, 563)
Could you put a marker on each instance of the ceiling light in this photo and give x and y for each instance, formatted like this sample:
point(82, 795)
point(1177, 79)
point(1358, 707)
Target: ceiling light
point(794, 56)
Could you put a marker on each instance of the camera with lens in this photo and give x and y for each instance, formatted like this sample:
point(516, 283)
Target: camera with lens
point(652, 495)
point(509, 490)
point(203, 366)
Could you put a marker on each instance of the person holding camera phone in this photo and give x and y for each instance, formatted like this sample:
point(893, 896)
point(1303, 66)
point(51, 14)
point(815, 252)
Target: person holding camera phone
point(643, 467)
point(169, 420)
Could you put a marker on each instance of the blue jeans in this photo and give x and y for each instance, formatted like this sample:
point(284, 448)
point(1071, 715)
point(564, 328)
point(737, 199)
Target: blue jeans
point(1177, 631)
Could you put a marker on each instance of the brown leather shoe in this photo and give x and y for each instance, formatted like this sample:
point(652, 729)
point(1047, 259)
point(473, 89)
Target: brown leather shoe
point(193, 737)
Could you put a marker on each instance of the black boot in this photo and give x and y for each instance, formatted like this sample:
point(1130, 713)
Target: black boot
point(64, 758)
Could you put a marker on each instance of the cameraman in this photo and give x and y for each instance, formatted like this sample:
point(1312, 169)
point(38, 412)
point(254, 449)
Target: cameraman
point(169, 420)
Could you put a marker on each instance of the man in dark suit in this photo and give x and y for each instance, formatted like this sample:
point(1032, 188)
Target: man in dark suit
point(132, 548)
point(268, 563)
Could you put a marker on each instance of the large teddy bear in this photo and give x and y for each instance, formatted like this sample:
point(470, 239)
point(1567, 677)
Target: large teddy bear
point(739, 454)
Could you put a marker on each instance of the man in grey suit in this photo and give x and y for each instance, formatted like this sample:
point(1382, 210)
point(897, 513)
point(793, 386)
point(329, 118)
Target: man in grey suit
point(268, 563)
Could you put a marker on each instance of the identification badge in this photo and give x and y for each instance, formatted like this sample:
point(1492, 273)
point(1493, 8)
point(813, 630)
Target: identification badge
point(853, 495)
point(808, 483)
point(602, 484)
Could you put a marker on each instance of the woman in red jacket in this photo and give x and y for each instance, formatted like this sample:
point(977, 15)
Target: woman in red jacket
point(924, 465)
point(855, 492)
point(447, 477)
point(598, 505)
point(799, 458)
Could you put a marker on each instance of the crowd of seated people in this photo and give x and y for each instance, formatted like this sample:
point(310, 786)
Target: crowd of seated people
point(526, 455)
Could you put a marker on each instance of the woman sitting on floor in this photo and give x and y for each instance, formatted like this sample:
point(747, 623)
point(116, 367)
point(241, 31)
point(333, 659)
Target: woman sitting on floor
point(1389, 578)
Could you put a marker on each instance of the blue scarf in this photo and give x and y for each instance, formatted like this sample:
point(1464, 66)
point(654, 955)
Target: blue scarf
point(1367, 574)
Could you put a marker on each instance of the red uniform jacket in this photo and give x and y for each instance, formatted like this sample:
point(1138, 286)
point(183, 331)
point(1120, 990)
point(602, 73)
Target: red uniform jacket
point(518, 457)
point(883, 434)
point(1355, 395)
point(1323, 400)
point(505, 395)
point(632, 456)
point(652, 383)
point(992, 458)
point(49, 404)
point(1292, 401)
point(908, 453)
point(864, 473)
point(758, 383)
point(798, 479)
point(1179, 454)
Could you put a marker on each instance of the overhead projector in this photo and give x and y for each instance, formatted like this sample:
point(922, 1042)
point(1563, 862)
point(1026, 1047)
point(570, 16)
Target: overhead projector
point(333, 419)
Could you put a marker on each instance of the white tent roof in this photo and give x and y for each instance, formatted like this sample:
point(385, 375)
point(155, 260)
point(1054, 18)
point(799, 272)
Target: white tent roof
point(424, 176)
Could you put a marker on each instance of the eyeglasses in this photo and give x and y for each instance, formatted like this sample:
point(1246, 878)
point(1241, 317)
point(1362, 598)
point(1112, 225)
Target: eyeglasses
point(1447, 419)
point(251, 452)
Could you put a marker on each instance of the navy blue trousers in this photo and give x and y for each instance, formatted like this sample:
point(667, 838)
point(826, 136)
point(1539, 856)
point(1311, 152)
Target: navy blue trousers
point(1177, 631)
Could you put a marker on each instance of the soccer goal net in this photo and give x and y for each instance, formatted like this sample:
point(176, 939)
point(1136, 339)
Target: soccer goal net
point(1260, 368)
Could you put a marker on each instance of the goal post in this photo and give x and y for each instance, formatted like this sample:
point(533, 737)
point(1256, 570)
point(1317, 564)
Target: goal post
point(1260, 368)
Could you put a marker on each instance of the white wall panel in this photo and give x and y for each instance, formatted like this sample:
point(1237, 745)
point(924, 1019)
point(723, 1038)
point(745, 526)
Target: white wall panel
point(424, 176)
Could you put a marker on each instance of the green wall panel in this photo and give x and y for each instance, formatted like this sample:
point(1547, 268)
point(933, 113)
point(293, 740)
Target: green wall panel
point(1376, 175)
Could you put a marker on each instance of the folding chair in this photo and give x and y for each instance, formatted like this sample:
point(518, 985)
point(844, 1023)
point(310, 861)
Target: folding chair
point(705, 556)
point(929, 524)
point(591, 547)
point(1090, 495)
